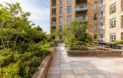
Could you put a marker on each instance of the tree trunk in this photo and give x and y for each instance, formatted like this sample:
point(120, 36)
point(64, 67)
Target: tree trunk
point(15, 41)
point(3, 42)
point(2, 35)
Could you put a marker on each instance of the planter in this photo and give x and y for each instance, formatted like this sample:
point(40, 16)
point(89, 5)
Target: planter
point(95, 53)
point(44, 66)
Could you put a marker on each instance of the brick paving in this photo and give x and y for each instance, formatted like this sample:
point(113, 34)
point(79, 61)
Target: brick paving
point(63, 66)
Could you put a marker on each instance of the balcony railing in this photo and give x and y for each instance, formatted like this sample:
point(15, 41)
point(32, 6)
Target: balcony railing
point(81, 9)
point(53, 14)
point(82, 18)
point(53, 22)
point(81, 1)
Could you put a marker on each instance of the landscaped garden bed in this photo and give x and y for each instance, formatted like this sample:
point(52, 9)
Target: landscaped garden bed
point(84, 50)
point(92, 53)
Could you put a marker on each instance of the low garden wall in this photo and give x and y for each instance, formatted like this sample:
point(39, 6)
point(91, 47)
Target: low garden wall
point(92, 53)
point(44, 66)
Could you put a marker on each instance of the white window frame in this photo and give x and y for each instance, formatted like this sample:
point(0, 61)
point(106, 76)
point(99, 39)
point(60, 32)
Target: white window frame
point(113, 23)
point(112, 37)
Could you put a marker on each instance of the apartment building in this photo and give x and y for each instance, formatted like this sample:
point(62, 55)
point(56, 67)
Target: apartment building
point(64, 11)
point(113, 20)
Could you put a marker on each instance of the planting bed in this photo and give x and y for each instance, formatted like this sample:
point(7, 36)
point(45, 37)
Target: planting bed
point(92, 53)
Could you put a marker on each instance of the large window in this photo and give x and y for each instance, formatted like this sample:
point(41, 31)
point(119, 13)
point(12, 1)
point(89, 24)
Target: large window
point(60, 19)
point(95, 16)
point(95, 36)
point(68, 1)
point(95, 6)
point(60, 10)
point(113, 8)
point(60, 2)
point(68, 19)
point(95, 27)
point(69, 9)
point(113, 23)
point(113, 37)
point(60, 28)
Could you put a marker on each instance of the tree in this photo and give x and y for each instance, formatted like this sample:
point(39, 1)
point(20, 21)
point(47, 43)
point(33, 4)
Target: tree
point(75, 30)
point(13, 21)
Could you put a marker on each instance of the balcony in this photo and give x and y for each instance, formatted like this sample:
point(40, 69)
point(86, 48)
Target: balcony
point(83, 18)
point(53, 29)
point(80, 1)
point(54, 12)
point(53, 3)
point(81, 9)
point(54, 20)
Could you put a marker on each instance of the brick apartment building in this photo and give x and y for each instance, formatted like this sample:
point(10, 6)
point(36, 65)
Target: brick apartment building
point(100, 17)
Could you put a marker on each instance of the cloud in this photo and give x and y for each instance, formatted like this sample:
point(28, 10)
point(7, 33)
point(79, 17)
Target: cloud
point(39, 9)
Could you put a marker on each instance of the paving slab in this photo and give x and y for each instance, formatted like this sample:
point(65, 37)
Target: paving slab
point(63, 66)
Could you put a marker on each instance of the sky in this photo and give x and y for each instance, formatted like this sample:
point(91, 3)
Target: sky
point(39, 9)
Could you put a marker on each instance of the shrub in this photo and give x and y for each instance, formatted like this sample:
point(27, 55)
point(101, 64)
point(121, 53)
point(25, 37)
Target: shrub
point(5, 60)
point(78, 48)
point(119, 42)
point(45, 46)
point(35, 61)
point(11, 71)
point(52, 44)
point(45, 52)
point(79, 43)
point(22, 46)
point(96, 40)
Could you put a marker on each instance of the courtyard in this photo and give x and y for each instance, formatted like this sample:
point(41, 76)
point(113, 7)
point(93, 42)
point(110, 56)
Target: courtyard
point(63, 66)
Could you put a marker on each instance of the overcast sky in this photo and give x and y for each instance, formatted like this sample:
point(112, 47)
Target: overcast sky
point(39, 9)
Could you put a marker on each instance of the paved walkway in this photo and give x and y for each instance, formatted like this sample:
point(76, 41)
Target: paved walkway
point(63, 66)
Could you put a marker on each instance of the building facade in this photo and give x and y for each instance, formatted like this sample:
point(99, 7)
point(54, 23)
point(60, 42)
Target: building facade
point(63, 11)
point(103, 17)
point(113, 20)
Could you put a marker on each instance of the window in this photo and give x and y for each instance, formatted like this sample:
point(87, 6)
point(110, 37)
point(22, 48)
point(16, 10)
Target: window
point(95, 6)
point(69, 9)
point(60, 19)
point(68, 1)
point(68, 19)
point(113, 23)
point(113, 8)
point(60, 28)
point(101, 26)
point(101, 37)
point(95, 27)
point(113, 37)
point(60, 10)
point(95, 16)
point(60, 37)
point(60, 2)
point(101, 14)
point(95, 36)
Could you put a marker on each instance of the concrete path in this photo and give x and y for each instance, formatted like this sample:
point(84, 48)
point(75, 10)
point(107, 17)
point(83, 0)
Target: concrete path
point(63, 66)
